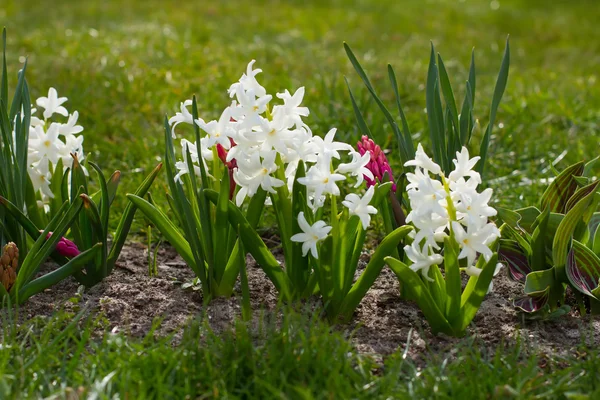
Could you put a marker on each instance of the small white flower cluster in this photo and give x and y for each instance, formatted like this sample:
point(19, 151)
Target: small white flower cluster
point(51, 141)
point(262, 139)
point(449, 204)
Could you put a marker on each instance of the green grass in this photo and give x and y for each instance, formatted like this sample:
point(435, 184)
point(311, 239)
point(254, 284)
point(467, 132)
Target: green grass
point(126, 64)
point(303, 358)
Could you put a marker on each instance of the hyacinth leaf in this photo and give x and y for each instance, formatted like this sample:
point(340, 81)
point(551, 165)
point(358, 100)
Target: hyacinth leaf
point(453, 278)
point(256, 247)
point(583, 269)
point(113, 184)
point(413, 283)
point(351, 238)
point(298, 270)
point(31, 229)
point(435, 114)
point(221, 228)
point(512, 256)
point(74, 265)
point(17, 100)
point(538, 242)
point(362, 125)
point(325, 276)
point(405, 141)
point(471, 303)
point(253, 214)
point(562, 188)
point(405, 156)
point(567, 227)
point(198, 224)
point(241, 259)
point(96, 232)
point(166, 228)
point(4, 83)
point(466, 115)
point(496, 98)
point(127, 218)
point(451, 105)
point(42, 248)
point(56, 187)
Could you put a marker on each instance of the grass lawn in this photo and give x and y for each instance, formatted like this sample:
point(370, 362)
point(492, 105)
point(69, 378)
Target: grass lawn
point(125, 64)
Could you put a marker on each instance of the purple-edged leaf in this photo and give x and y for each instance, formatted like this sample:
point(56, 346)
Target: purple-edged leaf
point(515, 259)
point(562, 188)
point(533, 303)
point(583, 269)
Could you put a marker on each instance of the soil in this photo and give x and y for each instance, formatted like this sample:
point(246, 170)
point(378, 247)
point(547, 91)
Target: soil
point(130, 301)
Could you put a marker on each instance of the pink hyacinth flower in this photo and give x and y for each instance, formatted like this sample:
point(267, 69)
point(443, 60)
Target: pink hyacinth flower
point(378, 164)
point(65, 247)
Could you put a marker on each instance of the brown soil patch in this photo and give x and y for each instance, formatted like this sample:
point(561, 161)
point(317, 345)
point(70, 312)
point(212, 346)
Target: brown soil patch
point(130, 301)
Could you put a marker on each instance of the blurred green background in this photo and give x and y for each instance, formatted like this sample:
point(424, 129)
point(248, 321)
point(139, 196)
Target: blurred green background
point(125, 64)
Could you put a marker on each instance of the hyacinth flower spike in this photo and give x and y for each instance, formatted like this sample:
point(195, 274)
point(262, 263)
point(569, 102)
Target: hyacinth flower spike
point(381, 171)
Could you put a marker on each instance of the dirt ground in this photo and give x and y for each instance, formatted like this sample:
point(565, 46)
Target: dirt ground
point(130, 301)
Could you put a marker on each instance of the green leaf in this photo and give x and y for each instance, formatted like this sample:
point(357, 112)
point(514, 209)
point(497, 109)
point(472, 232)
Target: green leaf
point(496, 98)
point(372, 270)
point(509, 217)
point(405, 141)
point(528, 217)
point(4, 84)
point(298, 270)
point(420, 293)
point(42, 248)
point(403, 152)
point(451, 105)
point(453, 278)
point(221, 228)
point(467, 121)
point(255, 246)
point(434, 113)
point(471, 304)
point(70, 268)
point(538, 242)
point(362, 125)
point(127, 219)
point(166, 228)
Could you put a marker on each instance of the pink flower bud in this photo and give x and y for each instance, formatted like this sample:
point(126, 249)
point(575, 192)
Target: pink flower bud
point(378, 165)
point(65, 247)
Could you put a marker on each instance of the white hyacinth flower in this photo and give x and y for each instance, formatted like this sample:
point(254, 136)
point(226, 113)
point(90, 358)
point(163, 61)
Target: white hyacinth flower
point(311, 235)
point(442, 206)
point(422, 160)
point(52, 104)
point(422, 260)
point(184, 116)
point(360, 206)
